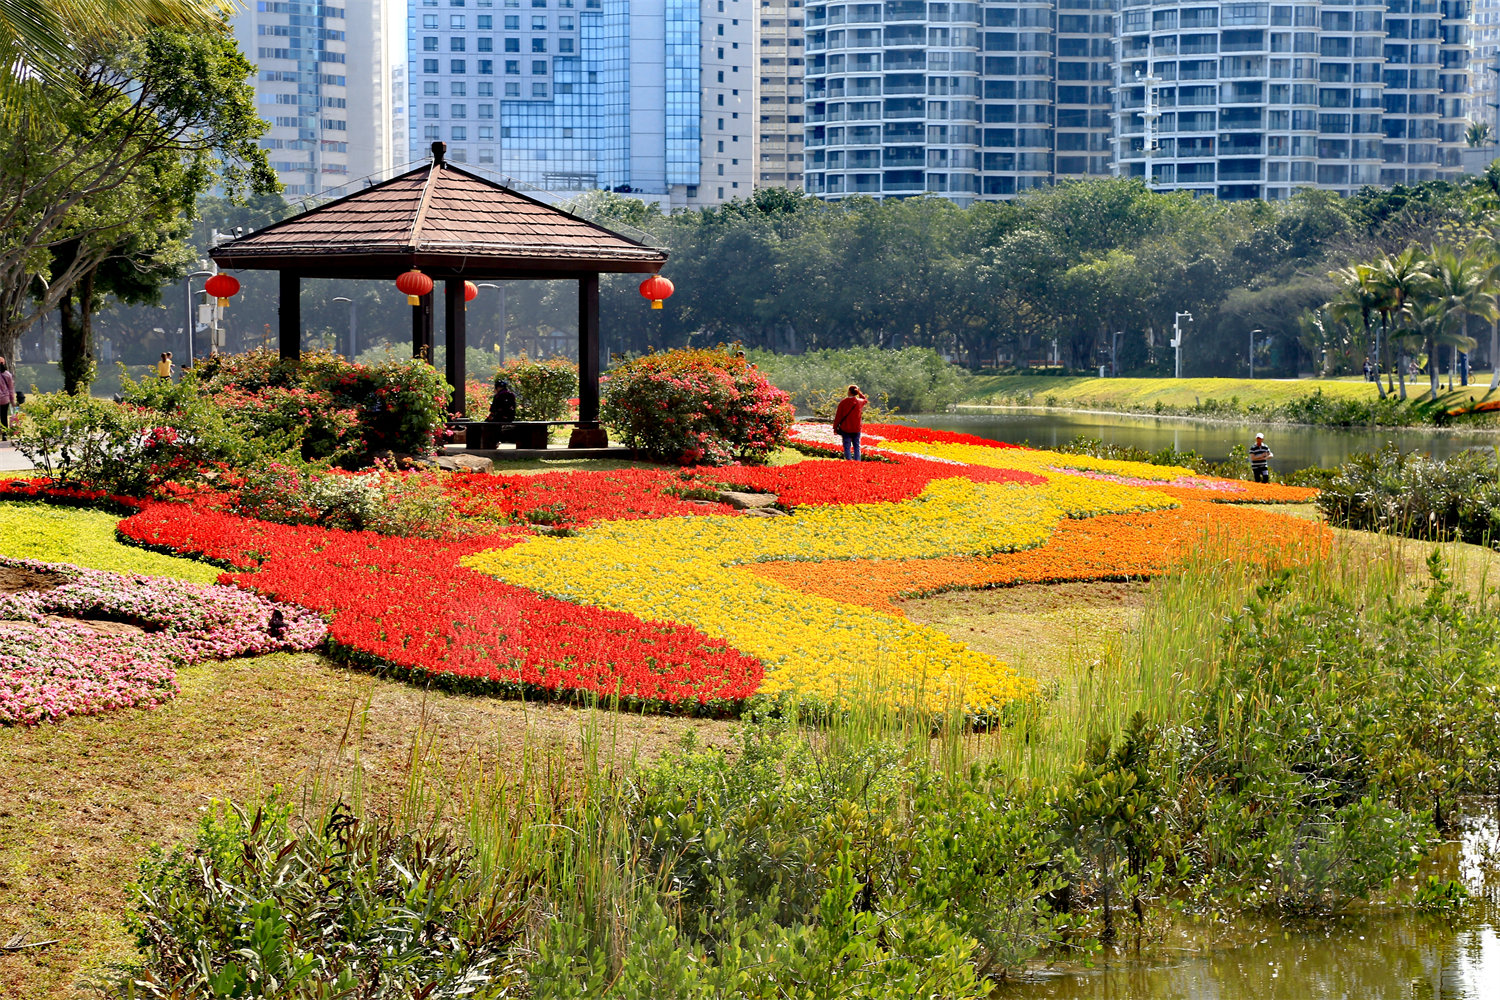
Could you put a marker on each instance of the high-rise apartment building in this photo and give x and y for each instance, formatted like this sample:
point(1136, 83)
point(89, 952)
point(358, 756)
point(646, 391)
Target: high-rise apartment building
point(1237, 99)
point(1253, 100)
point(323, 82)
point(651, 97)
point(780, 62)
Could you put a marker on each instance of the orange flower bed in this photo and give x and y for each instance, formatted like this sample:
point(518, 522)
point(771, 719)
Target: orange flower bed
point(1107, 547)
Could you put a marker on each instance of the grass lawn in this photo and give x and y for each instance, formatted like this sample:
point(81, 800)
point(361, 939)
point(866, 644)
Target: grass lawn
point(1144, 393)
point(83, 800)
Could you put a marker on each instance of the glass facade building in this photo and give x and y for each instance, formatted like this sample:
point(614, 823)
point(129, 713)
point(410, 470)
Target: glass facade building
point(563, 95)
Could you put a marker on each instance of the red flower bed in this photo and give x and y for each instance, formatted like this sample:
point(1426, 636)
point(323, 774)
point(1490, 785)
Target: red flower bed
point(408, 604)
point(584, 497)
point(899, 432)
point(839, 482)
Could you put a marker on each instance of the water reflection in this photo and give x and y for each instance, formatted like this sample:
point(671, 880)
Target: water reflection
point(1295, 447)
point(1410, 956)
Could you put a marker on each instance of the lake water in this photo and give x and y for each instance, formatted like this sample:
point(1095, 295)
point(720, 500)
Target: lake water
point(1294, 447)
point(1403, 957)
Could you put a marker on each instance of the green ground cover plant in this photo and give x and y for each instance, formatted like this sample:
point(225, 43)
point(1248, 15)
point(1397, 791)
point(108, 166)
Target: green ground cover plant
point(80, 537)
point(1293, 758)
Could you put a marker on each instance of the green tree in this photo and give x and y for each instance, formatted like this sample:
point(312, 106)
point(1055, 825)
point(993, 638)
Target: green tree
point(148, 123)
point(1399, 281)
point(1459, 288)
point(1359, 298)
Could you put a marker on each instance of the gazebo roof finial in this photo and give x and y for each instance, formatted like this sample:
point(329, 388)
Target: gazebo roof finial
point(439, 150)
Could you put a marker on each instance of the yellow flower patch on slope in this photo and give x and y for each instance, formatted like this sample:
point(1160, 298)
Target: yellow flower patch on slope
point(685, 570)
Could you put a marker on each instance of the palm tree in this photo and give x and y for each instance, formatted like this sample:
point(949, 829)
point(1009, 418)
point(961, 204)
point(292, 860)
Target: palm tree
point(1398, 281)
point(37, 38)
point(1358, 298)
point(1459, 288)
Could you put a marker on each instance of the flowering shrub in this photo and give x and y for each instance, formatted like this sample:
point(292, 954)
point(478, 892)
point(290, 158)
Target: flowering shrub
point(51, 669)
point(542, 388)
point(326, 432)
point(380, 500)
point(696, 406)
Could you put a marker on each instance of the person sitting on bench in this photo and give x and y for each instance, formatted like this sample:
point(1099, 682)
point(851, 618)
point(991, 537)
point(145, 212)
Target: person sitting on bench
point(503, 404)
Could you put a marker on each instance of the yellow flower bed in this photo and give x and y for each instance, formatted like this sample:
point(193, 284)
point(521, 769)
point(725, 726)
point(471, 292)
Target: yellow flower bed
point(684, 570)
point(85, 538)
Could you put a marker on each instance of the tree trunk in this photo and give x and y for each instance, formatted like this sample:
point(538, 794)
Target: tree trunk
point(1495, 354)
point(1385, 358)
point(1432, 369)
point(1401, 371)
point(76, 348)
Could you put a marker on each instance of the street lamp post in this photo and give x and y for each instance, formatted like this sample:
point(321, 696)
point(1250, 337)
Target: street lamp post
point(1177, 338)
point(501, 290)
point(1252, 351)
point(187, 302)
point(352, 346)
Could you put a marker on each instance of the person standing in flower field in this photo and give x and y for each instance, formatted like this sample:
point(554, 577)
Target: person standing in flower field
point(164, 365)
point(1260, 460)
point(848, 420)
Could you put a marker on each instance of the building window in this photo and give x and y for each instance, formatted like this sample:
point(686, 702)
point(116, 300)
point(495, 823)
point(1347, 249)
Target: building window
point(485, 90)
point(456, 21)
point(512, 67)
point(486, 132)
point(513, 45)
point(459, 133)
point(721, 100)
point(486, 111)
point(486, 156)
point(539, 45)
point(485, 45)
point(721, 76)
point(512, 22)
point(430, 132)
point(486, 67)
point(721, 170)
point(457, 66)
point(456, 44)
point(429, 44)
point(538, 90)
point(429, 111)
point(512, 90)
point(539, 22)
point(429, 65)
point(458, 89)
point(460, 156)
point(539, 67)
point(429, 21)
point(430, 88)
point(485, 22)
point(459, 111)
point(564, 24)
point(565, 45)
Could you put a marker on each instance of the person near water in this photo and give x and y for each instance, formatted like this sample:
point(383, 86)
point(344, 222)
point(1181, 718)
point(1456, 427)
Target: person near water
point(1260, 459)
point(7, 399)
point(848, 420)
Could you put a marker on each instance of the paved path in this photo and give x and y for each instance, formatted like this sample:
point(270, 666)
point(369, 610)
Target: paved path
point(12, 460)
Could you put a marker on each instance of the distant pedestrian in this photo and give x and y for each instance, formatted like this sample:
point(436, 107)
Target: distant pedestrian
point(1260, 460)
point(1369, 371)
point(164, 365)
point(7, 399)
point(848, 420)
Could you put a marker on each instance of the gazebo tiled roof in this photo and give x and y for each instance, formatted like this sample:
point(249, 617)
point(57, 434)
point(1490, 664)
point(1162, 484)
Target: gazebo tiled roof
point(445, 221)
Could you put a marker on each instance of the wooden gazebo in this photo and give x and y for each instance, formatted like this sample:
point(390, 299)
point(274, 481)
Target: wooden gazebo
point(453, 226)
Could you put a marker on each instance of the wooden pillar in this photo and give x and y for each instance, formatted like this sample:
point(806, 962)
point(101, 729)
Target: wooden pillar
point(289, 315)
point(588, 351)
point(455, 339)
point(421, 329)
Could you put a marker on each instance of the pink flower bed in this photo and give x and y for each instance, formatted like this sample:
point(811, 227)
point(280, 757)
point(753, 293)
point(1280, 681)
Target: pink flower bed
point(52, 667)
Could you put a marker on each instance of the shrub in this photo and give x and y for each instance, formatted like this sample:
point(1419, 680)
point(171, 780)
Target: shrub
point(1409, 494)
point(911, 380)
point(704, 406)
point(542, 388)
point(344, 906)
point(382, 501)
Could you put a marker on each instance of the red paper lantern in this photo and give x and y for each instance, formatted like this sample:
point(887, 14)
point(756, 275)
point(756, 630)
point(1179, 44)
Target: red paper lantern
point(656, 288)
point(471, 291)
point(415, 284)
point(221, 287)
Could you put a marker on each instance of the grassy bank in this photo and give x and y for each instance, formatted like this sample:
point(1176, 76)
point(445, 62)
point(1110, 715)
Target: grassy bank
point(1331, 401)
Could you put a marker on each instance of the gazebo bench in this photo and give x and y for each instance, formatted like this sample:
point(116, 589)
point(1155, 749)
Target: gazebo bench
point(524, 433)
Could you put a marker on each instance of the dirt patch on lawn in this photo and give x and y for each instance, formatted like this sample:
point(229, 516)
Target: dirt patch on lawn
point(14, 579)
point(1037, 628)
point(82, 801)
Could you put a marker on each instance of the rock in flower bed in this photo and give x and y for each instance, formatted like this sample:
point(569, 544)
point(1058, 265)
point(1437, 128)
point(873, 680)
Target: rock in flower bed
point(78, 642)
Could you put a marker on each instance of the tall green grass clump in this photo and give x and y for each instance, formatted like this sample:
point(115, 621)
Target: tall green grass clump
point(1285, 736)
point(1404, 493)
